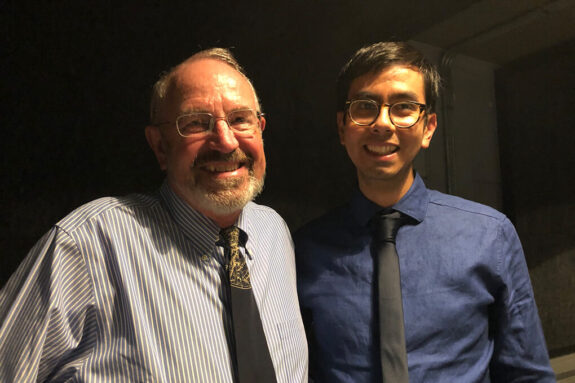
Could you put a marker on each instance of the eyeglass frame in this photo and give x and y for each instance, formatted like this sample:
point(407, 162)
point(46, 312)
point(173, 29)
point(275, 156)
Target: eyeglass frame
point(422, 108)
point(213, 120)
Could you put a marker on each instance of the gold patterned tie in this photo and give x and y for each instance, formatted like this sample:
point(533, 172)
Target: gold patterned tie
point(254, 363)
point(237, 269)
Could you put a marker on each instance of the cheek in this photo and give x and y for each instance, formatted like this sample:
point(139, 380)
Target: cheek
point(411, 145)
point(354, 149)
point(255, 149)
point(350, 139)
point(260, 167)
point(183, 153)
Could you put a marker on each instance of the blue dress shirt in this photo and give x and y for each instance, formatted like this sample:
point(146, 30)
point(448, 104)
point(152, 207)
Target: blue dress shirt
point(468, 304)
point(133, 289)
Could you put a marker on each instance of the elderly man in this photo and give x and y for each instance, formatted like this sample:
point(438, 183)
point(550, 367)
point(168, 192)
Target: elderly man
point(406, 284)
point(194, 283)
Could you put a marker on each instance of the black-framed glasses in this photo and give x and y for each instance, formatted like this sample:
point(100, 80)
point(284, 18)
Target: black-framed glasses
point(403, 114)
point(243, 122)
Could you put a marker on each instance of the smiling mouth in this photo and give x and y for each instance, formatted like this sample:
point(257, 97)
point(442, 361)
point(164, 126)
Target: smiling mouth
point(382, 150)
point(223, 168)
point(216, 162)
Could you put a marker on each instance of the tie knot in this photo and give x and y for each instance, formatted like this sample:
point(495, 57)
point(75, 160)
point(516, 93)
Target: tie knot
point(230, 235)
point(386, 224)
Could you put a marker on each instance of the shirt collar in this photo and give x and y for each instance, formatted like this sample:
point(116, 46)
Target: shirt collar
point(414, 203)
point(247, 230)
point(199, 229)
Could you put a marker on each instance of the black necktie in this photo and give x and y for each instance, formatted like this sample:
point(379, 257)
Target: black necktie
point(391, 327)
point(253, 358)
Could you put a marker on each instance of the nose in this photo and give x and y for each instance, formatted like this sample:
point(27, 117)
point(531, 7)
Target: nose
point(223, 138)
point(383, 124)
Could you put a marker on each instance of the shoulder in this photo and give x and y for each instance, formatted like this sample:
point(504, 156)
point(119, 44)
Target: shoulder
point(452, 205)
point(267, 230)
point(264, 220)
point(262, 211)
point(263, 216)
point(108, 207)
point(451, 214)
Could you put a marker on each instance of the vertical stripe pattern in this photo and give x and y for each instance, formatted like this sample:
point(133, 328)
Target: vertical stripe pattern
point(130, 290)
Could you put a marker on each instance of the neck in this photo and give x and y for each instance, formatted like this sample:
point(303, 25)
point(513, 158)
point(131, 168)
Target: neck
point(385, 192)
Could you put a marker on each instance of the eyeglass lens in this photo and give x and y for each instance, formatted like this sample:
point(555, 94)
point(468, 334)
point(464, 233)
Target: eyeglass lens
point(402, 114)
point(243, 121)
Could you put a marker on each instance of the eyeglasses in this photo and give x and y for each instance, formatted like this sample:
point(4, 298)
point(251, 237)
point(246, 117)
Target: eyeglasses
point(403, 114)
point(243, 122)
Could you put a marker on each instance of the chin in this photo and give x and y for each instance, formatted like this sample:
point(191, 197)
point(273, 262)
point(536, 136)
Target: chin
point(228, 200)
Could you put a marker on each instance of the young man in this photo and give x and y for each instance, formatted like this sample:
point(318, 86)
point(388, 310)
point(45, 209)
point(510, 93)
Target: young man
point(465, 310)
point(194, 283)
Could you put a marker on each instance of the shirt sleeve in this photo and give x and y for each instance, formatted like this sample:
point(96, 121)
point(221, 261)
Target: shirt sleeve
point(520, 353)
point(47, 319)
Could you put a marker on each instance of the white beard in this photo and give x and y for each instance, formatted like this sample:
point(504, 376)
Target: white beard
point(228, 199)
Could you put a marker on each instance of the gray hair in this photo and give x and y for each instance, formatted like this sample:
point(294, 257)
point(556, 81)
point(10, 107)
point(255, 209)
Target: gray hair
point(160, 89)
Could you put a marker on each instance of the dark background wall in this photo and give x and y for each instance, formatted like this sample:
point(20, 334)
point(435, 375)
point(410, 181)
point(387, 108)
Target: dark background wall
point(536, 97)
point(76, 79)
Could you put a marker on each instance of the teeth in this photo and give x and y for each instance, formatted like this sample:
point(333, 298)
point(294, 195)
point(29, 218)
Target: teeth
point(382, 149)
point(222, 167)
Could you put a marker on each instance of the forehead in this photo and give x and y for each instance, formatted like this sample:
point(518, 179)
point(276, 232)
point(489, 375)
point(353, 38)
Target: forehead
point(391, 81)
point(212, 81)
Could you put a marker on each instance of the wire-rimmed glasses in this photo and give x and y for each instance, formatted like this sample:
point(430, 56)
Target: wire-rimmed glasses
point(242, 122)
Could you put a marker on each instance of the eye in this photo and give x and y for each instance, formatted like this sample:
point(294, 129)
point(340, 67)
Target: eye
point(405, 108)
point(194, 123)
point(238, 119)
point(366, 105)
point(242, 119)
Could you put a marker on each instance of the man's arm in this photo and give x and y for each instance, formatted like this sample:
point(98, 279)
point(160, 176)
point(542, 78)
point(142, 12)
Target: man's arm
point(44, 312)
point(520, 352)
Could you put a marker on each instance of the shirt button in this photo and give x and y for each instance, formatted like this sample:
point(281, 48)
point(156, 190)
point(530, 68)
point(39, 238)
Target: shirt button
point(205, 258)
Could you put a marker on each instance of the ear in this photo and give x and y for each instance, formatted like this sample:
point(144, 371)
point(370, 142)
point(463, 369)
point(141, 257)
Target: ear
point(429, 130)
point(262, 123)
point(156, 141)
point(340, 127)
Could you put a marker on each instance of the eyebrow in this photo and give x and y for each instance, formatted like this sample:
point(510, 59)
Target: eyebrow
point(394, 97)
point(194, 110)
point(204, 110)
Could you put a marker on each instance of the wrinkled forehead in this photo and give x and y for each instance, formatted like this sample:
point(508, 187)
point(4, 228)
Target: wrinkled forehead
point(209, 77)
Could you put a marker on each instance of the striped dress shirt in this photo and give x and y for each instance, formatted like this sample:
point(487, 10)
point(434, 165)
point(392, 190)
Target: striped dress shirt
point(133, 289)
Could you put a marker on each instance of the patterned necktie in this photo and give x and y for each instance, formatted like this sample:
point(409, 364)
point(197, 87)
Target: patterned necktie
point(391, 327)
point(254, 363)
